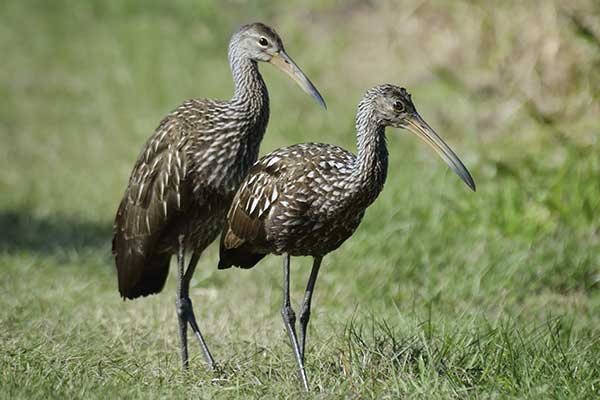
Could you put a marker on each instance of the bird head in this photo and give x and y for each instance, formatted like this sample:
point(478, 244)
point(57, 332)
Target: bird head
point(394, 107)
point(261, 43)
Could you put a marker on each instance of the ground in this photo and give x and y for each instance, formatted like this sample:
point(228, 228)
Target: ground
point(441, 293)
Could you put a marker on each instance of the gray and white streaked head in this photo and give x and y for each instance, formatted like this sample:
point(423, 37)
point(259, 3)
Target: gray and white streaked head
point(261, 43)
point(257, 41)
point(392, 105)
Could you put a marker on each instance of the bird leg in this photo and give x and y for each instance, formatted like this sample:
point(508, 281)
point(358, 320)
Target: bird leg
point(289, 319)
point(305, 314)
point(180, 308)
point(185, 310)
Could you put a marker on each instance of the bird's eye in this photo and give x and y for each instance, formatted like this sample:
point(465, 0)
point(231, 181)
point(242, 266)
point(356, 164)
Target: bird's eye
point(399, 106)
point(263, 41)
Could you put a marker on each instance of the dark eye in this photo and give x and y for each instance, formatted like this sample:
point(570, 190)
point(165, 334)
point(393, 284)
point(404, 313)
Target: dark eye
point(399, 105)
point(263, 41)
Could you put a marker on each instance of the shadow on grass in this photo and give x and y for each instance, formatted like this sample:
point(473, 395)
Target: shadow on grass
point(54, 235)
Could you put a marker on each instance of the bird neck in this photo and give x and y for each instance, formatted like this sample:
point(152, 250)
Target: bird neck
point(370, 169)
point(250, 89)
point(247, 116)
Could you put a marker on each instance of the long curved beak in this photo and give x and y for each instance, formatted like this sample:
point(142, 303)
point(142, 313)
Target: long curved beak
point(282, 61)
point(419, 127)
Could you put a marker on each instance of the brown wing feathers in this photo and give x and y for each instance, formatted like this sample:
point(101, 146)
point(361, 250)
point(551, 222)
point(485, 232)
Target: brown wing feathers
point(152, 199)
point(245, 231)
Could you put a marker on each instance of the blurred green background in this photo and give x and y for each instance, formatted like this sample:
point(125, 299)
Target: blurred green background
point(441, 293)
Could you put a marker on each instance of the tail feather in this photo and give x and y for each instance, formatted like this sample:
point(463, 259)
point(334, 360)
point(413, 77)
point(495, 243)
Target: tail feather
point(239, 255)
point(139, 274)
point(240, 258)
point(151, 280)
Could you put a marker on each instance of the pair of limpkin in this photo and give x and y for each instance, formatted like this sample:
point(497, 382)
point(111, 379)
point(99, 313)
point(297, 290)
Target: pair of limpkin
point(197, 176)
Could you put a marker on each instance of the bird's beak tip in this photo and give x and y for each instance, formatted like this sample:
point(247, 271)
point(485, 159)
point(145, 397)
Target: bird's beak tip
point(473, 187)
point(419, 127)
point(283, 61)
point(466, 177)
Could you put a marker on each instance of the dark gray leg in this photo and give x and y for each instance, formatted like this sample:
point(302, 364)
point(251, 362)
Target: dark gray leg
point(289, 319)
point(185, 310)
point(305, 314)
point(180, 306)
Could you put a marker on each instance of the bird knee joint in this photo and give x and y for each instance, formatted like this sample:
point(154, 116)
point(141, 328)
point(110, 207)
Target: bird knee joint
point(288, 314)
point(305, 316)
point(183, 306)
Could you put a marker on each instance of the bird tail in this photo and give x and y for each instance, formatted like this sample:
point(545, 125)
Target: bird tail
point(234, 252)
point(138, 274)
point(150, 281)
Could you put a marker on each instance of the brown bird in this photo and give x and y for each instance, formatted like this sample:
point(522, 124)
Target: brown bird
point(187, 173)
point(307, 199)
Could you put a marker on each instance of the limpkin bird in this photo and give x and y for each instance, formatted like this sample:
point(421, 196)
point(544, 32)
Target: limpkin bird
point(307, 199)
point(187, 173)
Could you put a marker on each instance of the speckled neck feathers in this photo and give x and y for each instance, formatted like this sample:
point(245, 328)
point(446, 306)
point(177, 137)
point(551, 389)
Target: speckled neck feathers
point(371, 164)
point(249, 86)
point(242, 123)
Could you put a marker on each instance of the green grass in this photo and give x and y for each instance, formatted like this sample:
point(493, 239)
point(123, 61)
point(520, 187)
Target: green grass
point(441, 293)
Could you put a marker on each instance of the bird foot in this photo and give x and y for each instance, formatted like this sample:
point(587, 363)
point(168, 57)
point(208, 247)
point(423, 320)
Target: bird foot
point(185, 313)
